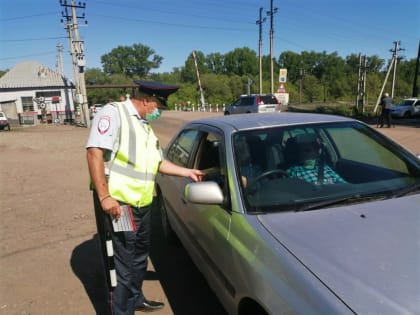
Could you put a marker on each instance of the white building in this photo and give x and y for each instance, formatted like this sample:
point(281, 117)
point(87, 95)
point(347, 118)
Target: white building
point(31, 93)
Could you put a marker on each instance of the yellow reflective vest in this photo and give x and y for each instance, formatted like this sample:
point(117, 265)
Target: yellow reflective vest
point(133, 170)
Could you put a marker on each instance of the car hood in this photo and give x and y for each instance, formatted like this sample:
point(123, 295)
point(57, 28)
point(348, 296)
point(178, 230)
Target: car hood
point(367, 254)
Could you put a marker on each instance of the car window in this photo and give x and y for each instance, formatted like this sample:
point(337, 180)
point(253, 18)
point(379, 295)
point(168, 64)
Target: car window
point(268, 99)
point(290, 168)
point(408, 102)
point(209, 158)
point(358, 147)
point(180, 150)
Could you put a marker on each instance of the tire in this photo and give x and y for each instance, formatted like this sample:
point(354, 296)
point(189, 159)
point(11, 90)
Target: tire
point(227, 113)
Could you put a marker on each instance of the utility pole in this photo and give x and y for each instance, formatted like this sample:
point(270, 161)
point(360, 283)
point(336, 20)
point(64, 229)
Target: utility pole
point(301, 75)
point(77, 55)
point(361, 83)
point(416, 74)
point(271, 14)
point(395, 56)
point(260, 21)
point(393, 63)
point(59, 64)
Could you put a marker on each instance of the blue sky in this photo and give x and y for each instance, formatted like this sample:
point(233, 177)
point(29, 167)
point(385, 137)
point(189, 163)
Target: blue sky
point(31, 30)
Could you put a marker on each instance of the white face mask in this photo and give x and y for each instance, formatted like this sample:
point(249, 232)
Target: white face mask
point(153, 116)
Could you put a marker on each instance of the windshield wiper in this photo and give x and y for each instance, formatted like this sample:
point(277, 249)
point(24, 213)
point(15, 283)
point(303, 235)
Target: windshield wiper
point(342, 200)
point(405, 191)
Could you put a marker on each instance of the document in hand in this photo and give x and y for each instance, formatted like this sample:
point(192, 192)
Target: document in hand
point(125, 222)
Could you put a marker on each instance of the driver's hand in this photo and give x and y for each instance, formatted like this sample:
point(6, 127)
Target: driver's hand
point(244, 181)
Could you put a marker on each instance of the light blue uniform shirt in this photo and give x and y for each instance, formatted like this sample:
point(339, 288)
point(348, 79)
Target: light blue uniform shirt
point(105, 129)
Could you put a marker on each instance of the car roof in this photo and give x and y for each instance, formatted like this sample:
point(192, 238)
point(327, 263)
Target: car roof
point(410, 99)
point(261, 120)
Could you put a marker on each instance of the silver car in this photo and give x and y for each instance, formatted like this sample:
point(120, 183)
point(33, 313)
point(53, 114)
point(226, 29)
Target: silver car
point(253, 103)
point(340, 236)
point(409, 107)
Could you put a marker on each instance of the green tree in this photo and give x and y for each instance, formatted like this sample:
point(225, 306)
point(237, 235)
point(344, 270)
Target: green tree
point(133, 61)
point(293, 63)
point(189, 73)
point(406, 74)
point(95, 76)
point(216, 63)
point(241, 61)
point(217, 89)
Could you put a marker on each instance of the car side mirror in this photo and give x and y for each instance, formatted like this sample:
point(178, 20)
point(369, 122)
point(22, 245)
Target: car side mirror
point(204, 193)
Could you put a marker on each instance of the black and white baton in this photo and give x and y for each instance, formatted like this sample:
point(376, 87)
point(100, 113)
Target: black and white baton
point(111, 265)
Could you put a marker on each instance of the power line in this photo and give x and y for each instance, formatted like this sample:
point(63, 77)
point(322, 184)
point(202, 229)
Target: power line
point(195, 26)
point(32, 39)
point(31, 55)
point(26, 16)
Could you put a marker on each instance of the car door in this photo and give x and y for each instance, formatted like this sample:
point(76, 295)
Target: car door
point(416, 107)
point(180, 152)
point(243, 105)
point(208, 225)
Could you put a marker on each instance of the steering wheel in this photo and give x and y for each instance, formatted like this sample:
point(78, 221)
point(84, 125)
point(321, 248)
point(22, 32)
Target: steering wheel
point(276, 172)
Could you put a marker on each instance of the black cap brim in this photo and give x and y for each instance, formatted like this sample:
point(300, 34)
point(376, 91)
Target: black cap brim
point(159, 90)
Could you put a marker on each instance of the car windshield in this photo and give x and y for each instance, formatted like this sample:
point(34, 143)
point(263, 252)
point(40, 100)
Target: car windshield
point(308, 167)
point(407, 102)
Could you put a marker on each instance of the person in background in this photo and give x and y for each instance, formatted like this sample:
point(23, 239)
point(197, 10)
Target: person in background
point(386, 103)
point(123, 156)
point(306, 151)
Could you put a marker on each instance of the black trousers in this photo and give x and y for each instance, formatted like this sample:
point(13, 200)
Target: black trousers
point(385, 115)
point(131, 252)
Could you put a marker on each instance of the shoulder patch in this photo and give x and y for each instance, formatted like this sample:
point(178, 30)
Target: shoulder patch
point(103, 124)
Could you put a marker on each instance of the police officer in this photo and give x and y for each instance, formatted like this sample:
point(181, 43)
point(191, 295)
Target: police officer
point(123, 156)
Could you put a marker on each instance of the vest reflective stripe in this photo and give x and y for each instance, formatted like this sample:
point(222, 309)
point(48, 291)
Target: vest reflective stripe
point(134, 168)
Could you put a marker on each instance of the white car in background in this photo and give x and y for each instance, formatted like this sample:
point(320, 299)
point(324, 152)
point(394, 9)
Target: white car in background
point(4, 122)
point(253, 103)
point(409, 107)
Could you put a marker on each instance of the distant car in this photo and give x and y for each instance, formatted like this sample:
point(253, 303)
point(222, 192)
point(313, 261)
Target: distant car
point(4, 122)
point(282, 245)
point(409, 107)
point(254, 103)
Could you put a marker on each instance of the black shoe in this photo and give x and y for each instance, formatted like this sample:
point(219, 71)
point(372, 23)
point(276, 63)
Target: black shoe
point(150, 306)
